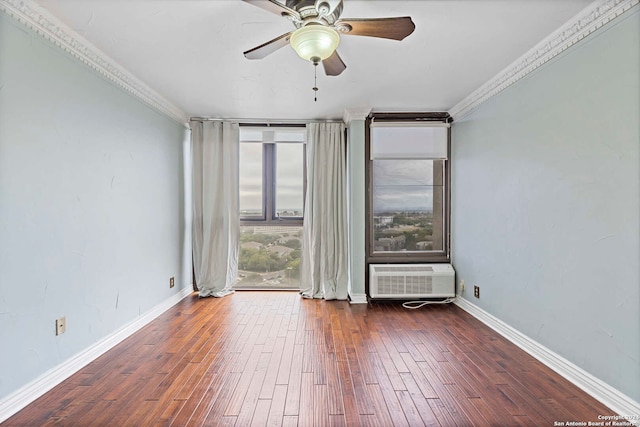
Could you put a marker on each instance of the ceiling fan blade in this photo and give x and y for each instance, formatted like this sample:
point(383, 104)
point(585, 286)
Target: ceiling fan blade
point(274, 6)
point(386, 28)
point(268, 48)
point(333, 65)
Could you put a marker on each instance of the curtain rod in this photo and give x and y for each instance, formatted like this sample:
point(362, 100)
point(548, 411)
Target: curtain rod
point(266, 122)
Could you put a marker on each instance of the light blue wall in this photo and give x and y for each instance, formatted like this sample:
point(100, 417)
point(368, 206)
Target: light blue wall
point(356, 168)
point(545, 204)
point(91, 206)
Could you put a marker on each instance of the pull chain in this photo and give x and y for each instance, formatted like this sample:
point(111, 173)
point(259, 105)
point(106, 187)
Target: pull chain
point(315, 78)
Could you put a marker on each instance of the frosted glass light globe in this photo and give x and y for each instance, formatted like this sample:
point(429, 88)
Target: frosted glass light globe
point(315, 41)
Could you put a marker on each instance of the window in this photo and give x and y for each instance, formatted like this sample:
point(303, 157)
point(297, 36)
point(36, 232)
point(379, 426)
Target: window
point(272, 191)
point(408, 197)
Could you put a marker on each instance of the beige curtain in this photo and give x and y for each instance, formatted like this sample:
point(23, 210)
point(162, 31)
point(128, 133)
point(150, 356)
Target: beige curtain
point(324, 269)
point(216, 229)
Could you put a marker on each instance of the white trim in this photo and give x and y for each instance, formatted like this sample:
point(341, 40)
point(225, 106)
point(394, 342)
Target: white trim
point(38, 19)
point(584, 23)
point(358, 299)
point(45, 382)
point(355, 114)
point(598, 389)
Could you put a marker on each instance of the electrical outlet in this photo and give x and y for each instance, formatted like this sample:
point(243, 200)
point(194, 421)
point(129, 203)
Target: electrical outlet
point(61, 325)
point(476, 291)
point(171, 282)
point(461, 286)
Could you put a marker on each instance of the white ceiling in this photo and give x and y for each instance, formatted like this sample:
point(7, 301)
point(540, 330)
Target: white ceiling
point(190, 51)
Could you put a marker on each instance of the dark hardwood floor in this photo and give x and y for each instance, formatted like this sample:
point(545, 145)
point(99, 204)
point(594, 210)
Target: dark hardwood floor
point(272, 358)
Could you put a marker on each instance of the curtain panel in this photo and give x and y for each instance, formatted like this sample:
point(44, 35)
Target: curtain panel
point(324, 269)
point(216, 229)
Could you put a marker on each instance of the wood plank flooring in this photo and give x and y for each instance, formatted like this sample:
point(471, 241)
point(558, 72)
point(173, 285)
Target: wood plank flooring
point(274, 359)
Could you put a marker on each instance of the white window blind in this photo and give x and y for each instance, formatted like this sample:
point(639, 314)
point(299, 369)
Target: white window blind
point(409, 141)
point(270, 135)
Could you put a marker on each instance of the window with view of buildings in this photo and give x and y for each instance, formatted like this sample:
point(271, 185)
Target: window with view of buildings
point(272, 190)
point(408, 191)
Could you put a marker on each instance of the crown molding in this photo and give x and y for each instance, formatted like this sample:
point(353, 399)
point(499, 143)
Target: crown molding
point(355, 114)
point(36, 18)
point(590, 19)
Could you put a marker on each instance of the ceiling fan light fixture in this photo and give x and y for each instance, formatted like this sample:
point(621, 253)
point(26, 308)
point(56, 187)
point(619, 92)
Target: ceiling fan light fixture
point(315, 41)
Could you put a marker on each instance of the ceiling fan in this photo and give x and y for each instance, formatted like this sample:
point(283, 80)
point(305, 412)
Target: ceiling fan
point(319, 28)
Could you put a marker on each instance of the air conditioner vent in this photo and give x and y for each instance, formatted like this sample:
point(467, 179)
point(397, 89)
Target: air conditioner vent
point(405, 281)
point(409, 268)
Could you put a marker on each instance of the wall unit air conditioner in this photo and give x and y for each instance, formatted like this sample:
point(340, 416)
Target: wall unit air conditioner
point(407, 281)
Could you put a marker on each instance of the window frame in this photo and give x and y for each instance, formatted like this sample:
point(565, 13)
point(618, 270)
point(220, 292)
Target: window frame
point(269, 177)
point(437, 256)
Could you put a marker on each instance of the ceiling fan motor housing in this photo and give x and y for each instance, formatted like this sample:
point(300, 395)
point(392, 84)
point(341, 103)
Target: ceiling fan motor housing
point(310, 10)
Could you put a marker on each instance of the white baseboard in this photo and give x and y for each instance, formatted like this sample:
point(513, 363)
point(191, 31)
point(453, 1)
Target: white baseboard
point(620, 403)
point(45, 382)
point(358, 299)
